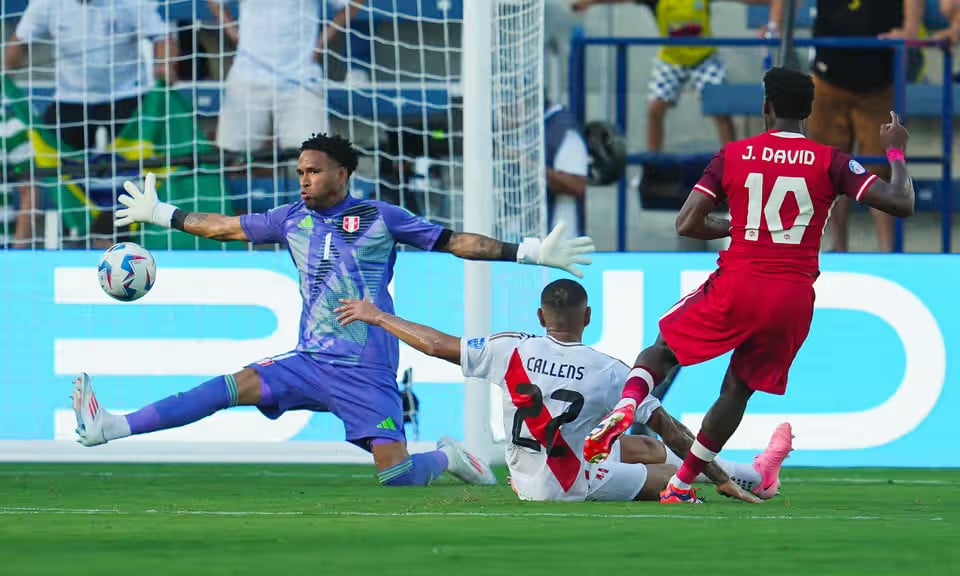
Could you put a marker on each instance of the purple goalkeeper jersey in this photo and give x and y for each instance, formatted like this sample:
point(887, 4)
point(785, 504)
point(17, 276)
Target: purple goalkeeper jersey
point(347, 251)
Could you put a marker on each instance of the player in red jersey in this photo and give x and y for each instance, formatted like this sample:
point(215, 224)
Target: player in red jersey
point(779, 188)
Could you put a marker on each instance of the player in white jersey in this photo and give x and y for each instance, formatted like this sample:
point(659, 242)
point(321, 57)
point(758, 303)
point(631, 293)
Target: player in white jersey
point(557, 390)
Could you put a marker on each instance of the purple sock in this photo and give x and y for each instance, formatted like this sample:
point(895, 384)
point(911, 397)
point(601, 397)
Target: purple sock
point(418, 470)
point(186, 407)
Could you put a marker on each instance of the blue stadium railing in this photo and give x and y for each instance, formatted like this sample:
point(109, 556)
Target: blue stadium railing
point(713, 103)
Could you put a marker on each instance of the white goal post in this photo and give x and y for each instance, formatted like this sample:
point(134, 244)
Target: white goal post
point(503, 177)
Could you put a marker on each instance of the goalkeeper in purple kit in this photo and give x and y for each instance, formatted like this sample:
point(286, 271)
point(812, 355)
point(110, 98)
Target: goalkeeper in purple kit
point(343, 248)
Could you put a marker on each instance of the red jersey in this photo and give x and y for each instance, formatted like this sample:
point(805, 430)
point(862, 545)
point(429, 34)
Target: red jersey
point(780, 188)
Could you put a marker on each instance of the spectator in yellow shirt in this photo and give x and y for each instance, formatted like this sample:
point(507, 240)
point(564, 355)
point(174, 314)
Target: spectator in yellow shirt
point(676, 66)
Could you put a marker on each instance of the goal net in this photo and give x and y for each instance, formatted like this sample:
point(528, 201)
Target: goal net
point(216, 96)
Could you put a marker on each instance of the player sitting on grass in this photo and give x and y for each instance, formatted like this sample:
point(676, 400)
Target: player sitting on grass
point(557, 391)
point(779, 188)
point(342, 248)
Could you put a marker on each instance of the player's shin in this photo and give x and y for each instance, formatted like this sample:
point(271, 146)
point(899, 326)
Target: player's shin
point(718, 425)
point(418, 470)
point(703, 452)
point(640, 382)
point(650, 368)
point(186, 407)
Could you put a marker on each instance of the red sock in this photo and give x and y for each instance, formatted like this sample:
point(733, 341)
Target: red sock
point(640, 382)
point(701, 453)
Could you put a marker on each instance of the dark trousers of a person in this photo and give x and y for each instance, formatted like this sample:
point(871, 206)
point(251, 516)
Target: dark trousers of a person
point(75, 124)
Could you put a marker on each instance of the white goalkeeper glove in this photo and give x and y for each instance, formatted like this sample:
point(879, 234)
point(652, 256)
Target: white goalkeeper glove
point(557, 252)
point(143, 206)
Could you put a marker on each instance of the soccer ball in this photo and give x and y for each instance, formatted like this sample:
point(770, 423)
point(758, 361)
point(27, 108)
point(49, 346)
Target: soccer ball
point(127, 271)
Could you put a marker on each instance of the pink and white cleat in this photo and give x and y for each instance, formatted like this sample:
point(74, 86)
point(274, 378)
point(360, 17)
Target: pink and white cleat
point(768, 463)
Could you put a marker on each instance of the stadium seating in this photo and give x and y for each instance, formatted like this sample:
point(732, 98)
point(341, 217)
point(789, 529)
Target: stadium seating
point(387, 103)
point(382, 9)
point(758, 16)
point(923, 101)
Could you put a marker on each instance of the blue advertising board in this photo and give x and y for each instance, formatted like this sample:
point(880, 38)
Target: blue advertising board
point(868, 388)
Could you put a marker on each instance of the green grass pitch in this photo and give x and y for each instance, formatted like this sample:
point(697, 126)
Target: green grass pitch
point(273, 520)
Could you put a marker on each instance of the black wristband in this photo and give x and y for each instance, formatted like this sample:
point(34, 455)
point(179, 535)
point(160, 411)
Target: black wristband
point(508, 252)
point(178, 218)
point(443, 240)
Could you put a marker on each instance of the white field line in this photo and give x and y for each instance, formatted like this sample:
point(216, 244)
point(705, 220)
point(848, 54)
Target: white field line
point(531, 514)
point(787, 481)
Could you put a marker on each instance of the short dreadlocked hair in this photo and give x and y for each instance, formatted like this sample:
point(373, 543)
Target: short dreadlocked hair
point(336, 147)
point(789, 92)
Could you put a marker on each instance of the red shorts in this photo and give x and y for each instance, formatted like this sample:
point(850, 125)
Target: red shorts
point(764, 320)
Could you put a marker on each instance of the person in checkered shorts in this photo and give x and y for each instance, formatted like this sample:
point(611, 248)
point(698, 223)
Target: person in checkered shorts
point(675, 67)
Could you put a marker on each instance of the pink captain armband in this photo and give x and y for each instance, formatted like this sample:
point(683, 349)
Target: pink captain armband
point(893, 155)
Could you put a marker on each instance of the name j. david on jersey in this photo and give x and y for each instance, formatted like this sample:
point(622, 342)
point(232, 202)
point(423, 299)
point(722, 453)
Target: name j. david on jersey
point(554, 369)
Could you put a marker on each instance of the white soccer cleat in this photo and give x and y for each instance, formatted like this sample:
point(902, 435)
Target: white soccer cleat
point(465, 465)
point(88, 412)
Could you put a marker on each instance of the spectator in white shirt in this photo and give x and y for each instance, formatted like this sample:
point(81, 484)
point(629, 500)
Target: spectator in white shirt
point(358, 31)
point(99, 71)
point(568, 164)
point(274, 89)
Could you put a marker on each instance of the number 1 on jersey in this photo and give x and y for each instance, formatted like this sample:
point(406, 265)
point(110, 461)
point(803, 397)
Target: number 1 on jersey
point(757, 211)
point(326, 245)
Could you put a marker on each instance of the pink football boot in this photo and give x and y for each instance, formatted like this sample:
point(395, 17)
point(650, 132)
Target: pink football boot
point(769, 462)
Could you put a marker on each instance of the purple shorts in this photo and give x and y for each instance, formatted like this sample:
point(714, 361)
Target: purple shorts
point(366, 401)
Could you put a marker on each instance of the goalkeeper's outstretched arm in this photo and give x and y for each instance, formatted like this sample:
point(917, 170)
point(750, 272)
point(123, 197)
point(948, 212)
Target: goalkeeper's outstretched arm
point(205, 225)
point(424, 338)
point(143, 206)
point(554, 251)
